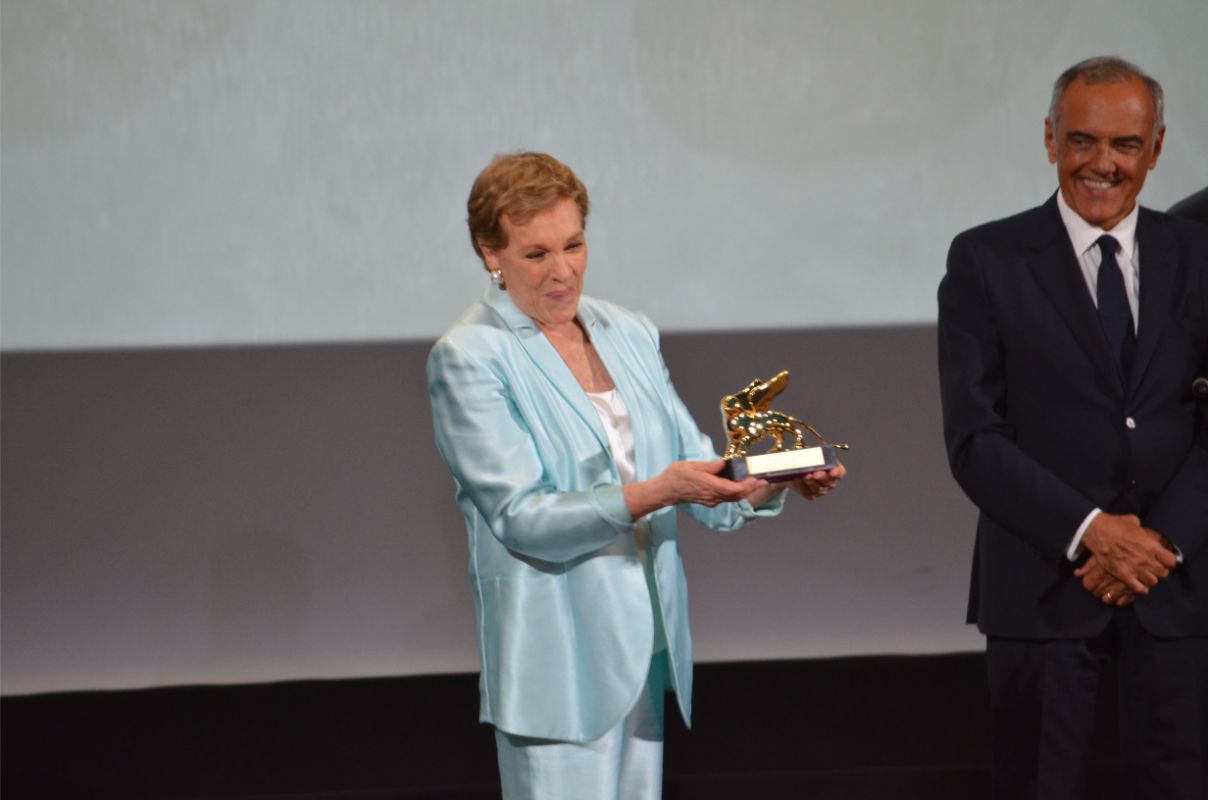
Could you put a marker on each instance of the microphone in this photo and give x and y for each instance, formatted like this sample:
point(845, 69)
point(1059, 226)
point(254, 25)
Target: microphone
point(1199, 388)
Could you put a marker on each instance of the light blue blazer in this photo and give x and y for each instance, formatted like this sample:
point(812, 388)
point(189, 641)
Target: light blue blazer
point(565, 624)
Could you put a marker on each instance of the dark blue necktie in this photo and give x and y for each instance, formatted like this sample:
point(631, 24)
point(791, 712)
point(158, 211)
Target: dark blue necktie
point(1114, 314)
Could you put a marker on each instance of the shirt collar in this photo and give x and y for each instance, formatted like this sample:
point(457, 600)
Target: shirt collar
point(1083, 235)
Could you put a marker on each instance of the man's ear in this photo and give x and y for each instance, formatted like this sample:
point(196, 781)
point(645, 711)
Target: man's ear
point(1050, 139)
point(1157, 146)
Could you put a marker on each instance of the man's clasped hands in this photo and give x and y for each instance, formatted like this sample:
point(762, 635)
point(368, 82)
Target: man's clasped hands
point(1126, 558)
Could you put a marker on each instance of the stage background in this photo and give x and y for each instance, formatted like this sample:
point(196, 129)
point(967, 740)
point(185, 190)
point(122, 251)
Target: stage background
point(231, 230)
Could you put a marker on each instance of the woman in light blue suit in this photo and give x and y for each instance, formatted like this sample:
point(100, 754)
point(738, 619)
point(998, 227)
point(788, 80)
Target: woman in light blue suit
point(571, 452)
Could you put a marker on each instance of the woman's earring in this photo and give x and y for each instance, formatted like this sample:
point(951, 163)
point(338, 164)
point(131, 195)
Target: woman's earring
point(497, 277)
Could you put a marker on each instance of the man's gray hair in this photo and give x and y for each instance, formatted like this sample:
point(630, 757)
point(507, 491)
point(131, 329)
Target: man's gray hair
point(1108, 69)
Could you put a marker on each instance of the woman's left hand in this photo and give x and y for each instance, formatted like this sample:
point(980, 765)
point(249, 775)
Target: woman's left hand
point(810, 486)
point(813, 485)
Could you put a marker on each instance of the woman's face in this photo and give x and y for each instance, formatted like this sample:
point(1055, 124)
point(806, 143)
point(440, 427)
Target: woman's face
point(543, 263)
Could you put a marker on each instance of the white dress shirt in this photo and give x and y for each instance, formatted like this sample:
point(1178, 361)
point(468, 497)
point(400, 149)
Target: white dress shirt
point(1084, 237)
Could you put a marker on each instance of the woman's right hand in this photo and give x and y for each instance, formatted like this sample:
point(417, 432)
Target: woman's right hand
point(687, 482)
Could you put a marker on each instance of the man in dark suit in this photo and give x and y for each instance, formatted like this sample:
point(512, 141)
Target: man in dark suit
point(1194, 206)
point(1069, 337)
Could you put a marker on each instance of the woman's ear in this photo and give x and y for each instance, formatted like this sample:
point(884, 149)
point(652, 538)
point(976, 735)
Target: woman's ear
point(489, 257)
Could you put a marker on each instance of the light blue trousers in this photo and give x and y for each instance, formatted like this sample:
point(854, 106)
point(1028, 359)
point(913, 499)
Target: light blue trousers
point(626, 763)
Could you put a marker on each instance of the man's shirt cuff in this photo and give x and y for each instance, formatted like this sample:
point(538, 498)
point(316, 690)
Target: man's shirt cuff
point(1075, 549)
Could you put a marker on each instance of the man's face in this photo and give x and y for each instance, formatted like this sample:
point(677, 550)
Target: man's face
point(1104, 145)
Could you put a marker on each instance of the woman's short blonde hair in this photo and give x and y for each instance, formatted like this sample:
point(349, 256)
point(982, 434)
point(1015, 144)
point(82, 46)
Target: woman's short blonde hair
point(518, 186)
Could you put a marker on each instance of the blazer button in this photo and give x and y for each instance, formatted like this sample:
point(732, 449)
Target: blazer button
point(1130, 423)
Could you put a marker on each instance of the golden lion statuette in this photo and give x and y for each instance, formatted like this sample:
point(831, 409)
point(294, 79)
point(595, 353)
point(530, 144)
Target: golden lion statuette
point(748, 419)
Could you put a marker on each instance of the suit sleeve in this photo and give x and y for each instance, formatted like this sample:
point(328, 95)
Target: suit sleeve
point(1005, 483)
point(1180, 513)
point(494, 459)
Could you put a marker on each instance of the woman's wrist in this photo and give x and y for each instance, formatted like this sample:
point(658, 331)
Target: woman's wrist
point(646, 496)
point(765, 494)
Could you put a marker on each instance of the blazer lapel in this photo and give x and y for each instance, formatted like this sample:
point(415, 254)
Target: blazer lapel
point(547, 360)
point(1054, 266)
point(606, 340)
point(1159, 266)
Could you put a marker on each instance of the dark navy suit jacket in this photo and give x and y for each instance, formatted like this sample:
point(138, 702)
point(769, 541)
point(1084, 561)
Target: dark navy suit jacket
point(1041, 427)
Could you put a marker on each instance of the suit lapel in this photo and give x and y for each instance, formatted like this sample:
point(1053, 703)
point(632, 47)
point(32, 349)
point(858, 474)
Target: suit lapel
point(547, 360)
point(1159, 265)
point(1055, 268)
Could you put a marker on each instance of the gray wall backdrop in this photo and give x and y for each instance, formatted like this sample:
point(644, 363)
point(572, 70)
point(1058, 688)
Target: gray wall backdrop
point(248, 514)
point(230, 231)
